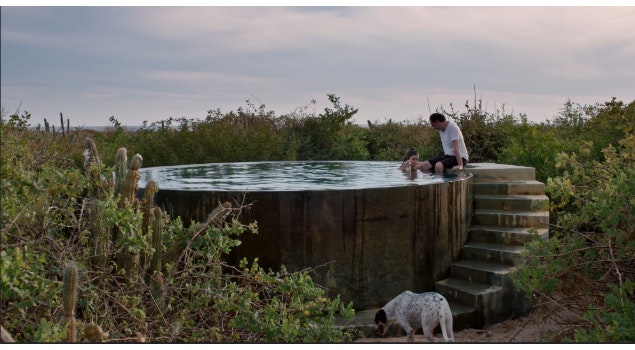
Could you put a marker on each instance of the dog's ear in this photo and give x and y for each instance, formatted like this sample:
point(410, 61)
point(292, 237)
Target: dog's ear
point(380, 316)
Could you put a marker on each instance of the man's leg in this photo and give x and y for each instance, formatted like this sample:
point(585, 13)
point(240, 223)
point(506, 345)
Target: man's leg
point(439, 168)
point(431, 164)
point(446, 163)
point(425, 166)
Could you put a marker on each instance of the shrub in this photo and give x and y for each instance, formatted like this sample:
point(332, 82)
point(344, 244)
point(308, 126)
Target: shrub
point(55, 213)
point(586, 267)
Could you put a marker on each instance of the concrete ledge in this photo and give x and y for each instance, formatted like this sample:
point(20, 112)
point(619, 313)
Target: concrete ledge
point(493, 172)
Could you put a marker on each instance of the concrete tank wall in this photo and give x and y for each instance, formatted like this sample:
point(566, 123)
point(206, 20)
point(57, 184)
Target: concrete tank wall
point(375, 242)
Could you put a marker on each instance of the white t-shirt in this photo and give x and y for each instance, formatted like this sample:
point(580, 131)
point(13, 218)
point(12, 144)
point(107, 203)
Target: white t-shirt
point(451, 133)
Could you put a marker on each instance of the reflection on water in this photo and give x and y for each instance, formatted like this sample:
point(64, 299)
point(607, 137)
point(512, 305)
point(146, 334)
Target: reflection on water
point(284, 176)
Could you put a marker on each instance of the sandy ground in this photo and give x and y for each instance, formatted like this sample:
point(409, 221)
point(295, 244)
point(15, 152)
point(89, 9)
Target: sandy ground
point(522, 330)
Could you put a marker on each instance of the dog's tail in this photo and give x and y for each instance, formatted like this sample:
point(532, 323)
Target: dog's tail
point(445, 320)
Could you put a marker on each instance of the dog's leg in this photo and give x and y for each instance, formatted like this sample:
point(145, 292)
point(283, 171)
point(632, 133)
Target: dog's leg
point(429, 318)
point(411, 335)
point(428, 332)
point(409, 330)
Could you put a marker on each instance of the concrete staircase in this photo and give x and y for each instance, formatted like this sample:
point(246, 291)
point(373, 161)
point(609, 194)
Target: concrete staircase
point(510, 209)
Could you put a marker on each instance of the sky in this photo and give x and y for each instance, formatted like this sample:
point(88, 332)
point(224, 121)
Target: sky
point(397, 63)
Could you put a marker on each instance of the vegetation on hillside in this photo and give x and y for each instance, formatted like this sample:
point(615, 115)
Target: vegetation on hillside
point(66, 206)
point(84, 260)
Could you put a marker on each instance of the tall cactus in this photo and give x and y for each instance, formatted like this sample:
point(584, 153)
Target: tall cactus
point(91, 157)
point(147, 207)
point(157, 240)
point(157, 290)
point(132, 178)
point(147, 204)
point(69, 298)
point(124, 187)
point(129, 260)
point(121, 164)
point(92, 165)
point(101, 236)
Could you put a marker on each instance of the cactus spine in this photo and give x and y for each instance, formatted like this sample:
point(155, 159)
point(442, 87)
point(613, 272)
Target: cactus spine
point(69, 297)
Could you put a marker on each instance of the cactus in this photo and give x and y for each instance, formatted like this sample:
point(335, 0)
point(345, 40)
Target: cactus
point(101, 236)
point(132, 178)
point(157, 283)
point(157, 240)
point(91, 157)
point(69, 297)
point(121, 161)
point(132, 260)
point(148, 204)
point(147, 207)
point(99, 188)
point(92, 167)
point(129, 262)
point(157, 290)
point(94, 333)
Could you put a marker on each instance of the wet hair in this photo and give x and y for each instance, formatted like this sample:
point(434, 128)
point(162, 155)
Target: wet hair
point(437, 117)
point(411, 152)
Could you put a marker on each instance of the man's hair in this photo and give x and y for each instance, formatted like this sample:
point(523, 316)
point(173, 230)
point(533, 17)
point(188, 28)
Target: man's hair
point(437, 117)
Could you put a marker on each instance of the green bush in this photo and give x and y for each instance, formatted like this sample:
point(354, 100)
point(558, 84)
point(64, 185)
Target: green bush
point(586, 267)
point(54, 212)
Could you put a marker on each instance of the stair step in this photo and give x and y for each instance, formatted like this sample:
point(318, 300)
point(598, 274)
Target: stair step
point(492, 172)
point(481, 272)
point(506, 235)
point(527, 202)
point(512, 188)
point(463, 315)
point(493, 253)
point(521, 218)
point(363, 322)
point(468, 293)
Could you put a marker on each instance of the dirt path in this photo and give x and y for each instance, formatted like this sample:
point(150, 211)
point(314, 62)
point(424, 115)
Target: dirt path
point(521, 330)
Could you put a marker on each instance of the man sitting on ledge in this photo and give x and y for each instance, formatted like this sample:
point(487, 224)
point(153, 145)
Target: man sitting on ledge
point(456, 156)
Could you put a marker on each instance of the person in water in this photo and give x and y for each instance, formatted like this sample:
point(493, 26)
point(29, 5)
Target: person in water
point(411, 161)
point(455, 156)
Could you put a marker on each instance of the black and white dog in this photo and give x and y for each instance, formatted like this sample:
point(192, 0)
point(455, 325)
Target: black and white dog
point(412, 311)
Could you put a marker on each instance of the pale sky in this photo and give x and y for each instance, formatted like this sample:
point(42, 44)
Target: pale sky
point(152, 63)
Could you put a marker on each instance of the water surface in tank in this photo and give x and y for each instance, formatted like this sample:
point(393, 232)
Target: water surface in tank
point(285, 176)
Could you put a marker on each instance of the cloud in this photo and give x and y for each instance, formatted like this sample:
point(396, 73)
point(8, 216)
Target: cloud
point(390, 62)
